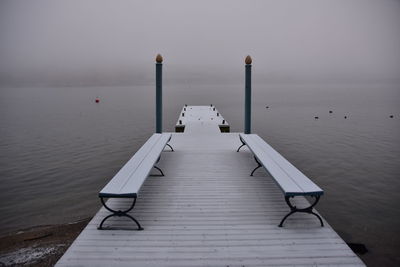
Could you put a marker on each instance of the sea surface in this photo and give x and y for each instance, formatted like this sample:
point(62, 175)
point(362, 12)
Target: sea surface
point(58, 148)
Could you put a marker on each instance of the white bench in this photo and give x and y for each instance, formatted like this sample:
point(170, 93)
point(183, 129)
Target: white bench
point(291, 181)
point(128, 181)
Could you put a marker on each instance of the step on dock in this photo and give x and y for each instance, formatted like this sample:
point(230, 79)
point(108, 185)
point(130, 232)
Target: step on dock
point(208, 211)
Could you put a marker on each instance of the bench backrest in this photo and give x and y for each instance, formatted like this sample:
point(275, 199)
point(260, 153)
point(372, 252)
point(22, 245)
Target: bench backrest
point(128, 181)
point(291, 181)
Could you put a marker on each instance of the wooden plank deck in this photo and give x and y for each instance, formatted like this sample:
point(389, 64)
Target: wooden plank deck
point(208, 211)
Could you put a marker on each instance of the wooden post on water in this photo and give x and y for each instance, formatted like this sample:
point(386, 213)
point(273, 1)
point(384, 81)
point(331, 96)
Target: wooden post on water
point(159, 60)
point(247, 98)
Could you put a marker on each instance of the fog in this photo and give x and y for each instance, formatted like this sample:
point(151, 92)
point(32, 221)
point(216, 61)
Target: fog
point(85, 42)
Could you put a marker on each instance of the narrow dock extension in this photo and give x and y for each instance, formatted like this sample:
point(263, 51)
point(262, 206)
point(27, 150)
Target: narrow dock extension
point(195, 115)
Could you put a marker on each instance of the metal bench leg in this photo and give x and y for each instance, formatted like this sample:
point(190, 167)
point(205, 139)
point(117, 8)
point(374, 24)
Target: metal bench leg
point(294, 209)
point(243, 144)
point(159, 170)
point(259, 165)
point(170, 147)
point(162, 174)
point(119, 213)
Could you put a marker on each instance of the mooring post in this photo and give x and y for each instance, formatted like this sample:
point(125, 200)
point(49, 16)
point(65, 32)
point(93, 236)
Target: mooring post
point(159, 60)
point(247, 97)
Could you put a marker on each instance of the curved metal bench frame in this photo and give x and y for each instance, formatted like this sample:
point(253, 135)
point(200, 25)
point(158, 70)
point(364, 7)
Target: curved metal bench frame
point(294, 209)
point(119, 213)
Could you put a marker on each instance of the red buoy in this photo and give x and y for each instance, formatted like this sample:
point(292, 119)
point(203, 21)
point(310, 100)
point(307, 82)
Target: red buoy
point(97, 100)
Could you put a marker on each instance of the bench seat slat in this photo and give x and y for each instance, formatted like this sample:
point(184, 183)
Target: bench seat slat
point(291, 181)
point(121, 184)
point(282, 179)
point(146, 166)
point(120, 179)
point(296, 175)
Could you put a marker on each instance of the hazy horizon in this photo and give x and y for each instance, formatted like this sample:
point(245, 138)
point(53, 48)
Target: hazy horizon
point(67, 43)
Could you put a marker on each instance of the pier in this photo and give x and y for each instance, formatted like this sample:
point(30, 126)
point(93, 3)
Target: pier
point(208, 211)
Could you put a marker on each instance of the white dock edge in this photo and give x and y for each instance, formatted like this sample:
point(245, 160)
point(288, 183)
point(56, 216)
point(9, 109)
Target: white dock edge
point(208, 211)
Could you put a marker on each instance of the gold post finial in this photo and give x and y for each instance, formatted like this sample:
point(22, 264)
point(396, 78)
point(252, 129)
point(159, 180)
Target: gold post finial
point(159, 58)
point(248, 60)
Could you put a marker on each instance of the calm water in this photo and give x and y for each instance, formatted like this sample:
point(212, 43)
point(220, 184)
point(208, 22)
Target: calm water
point(59, 148)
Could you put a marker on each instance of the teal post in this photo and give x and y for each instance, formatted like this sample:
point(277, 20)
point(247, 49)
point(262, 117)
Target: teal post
point(247, 100)
point(159, 61)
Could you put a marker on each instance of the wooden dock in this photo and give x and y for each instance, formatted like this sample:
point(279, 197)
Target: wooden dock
point(208, 211)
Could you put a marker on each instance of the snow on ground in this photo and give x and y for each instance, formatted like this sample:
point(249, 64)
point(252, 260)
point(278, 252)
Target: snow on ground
point(27, 255)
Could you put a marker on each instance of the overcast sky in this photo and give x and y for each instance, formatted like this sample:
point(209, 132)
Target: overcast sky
point(93, 41)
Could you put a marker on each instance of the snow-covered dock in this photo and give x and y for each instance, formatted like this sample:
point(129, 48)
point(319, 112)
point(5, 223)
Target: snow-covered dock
point(208, 211)
point(193, 116)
